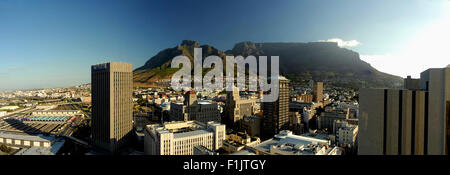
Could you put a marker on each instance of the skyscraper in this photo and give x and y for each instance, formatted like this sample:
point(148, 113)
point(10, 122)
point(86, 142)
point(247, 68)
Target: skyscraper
point(318, 92)
point(276, 114)
point(407, 121)
point(112, 106)
point(237, 108)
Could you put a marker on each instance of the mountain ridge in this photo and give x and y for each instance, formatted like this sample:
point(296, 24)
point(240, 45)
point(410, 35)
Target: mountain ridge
point(313, 60)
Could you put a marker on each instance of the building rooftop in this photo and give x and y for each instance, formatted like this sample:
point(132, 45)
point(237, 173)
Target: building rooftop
point(57, 111)
point(42, 151)
point(295, 144)
point(244, 152)
point(191, 133)
point(204, 102)
point(47, 118)
point(182, 129)
point(279, 78)
point(348, 127)
point(22, 136)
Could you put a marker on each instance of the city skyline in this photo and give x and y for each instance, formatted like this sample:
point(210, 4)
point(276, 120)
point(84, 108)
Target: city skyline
point(52, 44)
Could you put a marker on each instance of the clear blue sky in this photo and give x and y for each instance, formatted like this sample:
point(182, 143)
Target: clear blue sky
point(52, 43)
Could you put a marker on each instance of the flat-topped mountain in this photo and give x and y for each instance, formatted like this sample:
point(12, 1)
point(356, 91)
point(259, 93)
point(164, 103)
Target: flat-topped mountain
point(316, 60)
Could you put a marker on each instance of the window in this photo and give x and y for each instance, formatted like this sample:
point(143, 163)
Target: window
point(17, 142)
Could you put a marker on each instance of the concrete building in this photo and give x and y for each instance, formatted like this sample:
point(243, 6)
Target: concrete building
point(338, 124)
point(202, 150)
point(308, 98)
point(55, 113)
point(193, 109)
point(22, 140)
point(318, 92)
point(85, 99)
point(295, 118)
point(178, 112)
point(180, 138)
point(9, 108)
point(347, 134)
point(307, 115)
point(237, 108)
point(295, 106)
point(238, 141)
point(54, 149)
point(2, 113)
point(286, 143)
point(411, 83)
point(295, 123)
point(189, 98)
point(276, 114)
point(204, 111)
point(404, 122)
point(112, 106)
point(326, 119)
point(252, 125)
point(306, 109)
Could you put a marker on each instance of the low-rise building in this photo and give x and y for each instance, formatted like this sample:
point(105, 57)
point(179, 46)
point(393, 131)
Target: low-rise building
point(55, 113)
point(54, 149)
point(180, 138)
point(347, 135)
point(202, 150)
point(286, 143)
point(22, 140)
point(326, 119)
point(3, 113)
point(192, 109)
point(238, 141)
point(9, 108)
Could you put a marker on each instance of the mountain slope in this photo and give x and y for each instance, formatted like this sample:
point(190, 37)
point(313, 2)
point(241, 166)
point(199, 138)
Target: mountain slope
point(319, 61)
point(316, 60)
point(157, 69)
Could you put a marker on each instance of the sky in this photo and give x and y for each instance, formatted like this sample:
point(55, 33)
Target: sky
point(53, 43)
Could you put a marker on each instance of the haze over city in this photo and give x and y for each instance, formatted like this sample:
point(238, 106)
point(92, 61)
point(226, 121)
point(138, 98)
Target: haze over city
point(52, 43)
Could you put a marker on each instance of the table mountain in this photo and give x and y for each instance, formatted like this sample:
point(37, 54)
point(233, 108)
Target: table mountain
point(322, 61)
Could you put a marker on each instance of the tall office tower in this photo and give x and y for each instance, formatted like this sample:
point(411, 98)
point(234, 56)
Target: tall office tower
point(112, 105)
point(407, 121)
point(318, 92)
point(276, 114)
point(236, 108)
